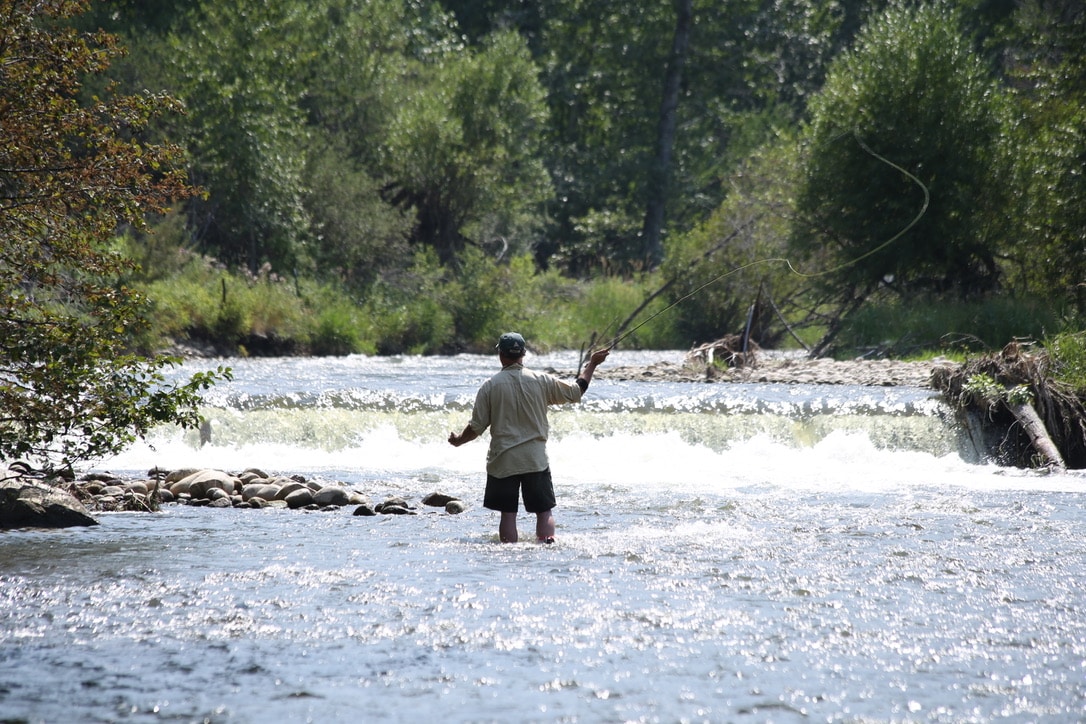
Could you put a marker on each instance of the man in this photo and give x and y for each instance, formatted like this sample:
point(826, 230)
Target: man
point(513, 404)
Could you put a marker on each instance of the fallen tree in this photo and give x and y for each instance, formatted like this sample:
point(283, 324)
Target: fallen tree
point(1012, 399)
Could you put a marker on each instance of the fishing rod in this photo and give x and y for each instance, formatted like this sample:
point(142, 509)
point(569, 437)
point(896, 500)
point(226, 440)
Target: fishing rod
point(770, 260)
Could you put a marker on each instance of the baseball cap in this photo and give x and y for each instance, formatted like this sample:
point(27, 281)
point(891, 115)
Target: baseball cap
point(511, 344)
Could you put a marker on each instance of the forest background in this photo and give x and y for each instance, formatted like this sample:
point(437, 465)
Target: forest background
point(390, 176)
point(410, 176)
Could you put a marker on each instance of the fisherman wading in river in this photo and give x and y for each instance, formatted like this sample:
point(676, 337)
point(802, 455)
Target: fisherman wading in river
point(513, 404)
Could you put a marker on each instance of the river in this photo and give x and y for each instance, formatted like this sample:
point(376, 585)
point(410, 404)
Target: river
point(725, 553)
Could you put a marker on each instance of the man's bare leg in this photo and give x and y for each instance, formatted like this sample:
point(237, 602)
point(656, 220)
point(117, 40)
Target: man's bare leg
point(544, 526)
point(507, 528)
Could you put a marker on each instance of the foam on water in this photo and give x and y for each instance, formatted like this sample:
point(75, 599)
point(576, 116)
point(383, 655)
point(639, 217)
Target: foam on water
point(655, 459)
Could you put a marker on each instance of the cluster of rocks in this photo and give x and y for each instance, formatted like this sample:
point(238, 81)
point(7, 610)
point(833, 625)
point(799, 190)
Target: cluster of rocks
point(29, 502)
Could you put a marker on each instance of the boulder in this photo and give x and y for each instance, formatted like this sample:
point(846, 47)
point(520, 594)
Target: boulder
point(397, 501)
point(176, 476)
point(364, 509)
point(260, 490)
point(299, 498)
point(390, 509)
point(199, 483)
point(215, 494)
point(138, 486)
point(28, 504)
point(288, 487)
point(455, 507)
point(437, 500)
point(331, 495)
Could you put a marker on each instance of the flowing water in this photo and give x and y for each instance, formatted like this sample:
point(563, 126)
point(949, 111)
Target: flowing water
point(725, 552)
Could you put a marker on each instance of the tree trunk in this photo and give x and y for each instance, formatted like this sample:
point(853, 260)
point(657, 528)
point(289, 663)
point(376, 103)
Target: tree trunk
point(1038, 435)
point(652, 230)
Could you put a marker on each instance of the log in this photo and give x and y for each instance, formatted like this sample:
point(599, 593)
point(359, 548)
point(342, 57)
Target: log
point(1038, 435)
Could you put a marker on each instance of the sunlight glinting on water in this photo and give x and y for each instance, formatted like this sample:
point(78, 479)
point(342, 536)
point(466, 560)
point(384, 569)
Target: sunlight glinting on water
point(724, 554)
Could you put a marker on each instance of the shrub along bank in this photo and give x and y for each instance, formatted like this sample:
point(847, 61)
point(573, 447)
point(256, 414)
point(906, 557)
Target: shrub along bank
point(426, 310)
point(429, 309)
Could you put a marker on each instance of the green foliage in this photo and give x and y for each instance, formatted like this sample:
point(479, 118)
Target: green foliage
point(70, 174)
point(607, 302)
point(987, 392)
point(333, 138)
point(736, 257)
point(464, 149)
point(1067, 353)
point(750, 66)
point(409, 314)
point(245, 129)
point(425, 310)
point(915, 93)
point(356, 236)
point(241, 313)
point(339, 328)
point(1046, 60)
point(896, 328)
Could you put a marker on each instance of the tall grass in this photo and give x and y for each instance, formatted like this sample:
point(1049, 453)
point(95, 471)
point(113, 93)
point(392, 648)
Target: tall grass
point(920, 328)
point(1068, 353)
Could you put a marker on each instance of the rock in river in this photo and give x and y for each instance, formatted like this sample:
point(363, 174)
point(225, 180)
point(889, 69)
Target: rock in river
point(26, 503)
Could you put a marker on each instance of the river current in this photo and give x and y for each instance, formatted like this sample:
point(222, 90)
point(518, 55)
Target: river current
point(725, 553)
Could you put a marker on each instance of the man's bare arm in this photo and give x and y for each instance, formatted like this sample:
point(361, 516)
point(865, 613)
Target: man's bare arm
point(594, 361)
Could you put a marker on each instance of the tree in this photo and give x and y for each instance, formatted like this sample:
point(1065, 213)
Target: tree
point(911, 95)
point(464, 150)
point(236, 66)
point(665, 136)
point(1045, 57)
point(654, 104)
point(70, 175)
point(357, 237)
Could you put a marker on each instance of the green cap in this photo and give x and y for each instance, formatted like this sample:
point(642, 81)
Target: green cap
point(511, 344)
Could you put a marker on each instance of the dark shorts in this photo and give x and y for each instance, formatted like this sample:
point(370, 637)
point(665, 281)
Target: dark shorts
point(503, 493)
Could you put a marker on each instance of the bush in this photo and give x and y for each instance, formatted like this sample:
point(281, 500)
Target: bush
point(426, 310)
point(244, 314)
point(338, 332)
point(893, 328)
point(912, 91)
point(411, 314)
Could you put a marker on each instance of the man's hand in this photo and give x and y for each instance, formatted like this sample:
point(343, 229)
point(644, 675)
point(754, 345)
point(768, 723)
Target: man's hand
point(599, 356)
point(456, 440)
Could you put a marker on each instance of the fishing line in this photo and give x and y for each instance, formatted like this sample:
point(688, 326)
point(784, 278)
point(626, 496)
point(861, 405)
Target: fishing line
point(812, 275)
